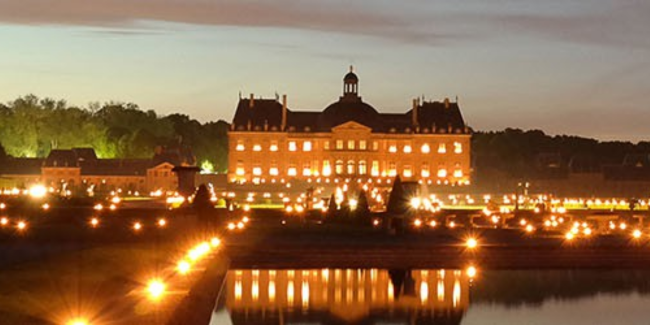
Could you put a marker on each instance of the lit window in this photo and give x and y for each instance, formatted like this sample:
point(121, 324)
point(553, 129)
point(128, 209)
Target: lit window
point(392, 148)
point(327, 169)
point(442, 173)
point(374, 170)
point(458, 173)
point(292, 146)
point(458, 148)
point(407, 148)
point(257, 171)
point(339, 167)
point(350, 144)
point(292, 171)
point(392, 169)
point(362, 145)
point(326, 145)
point(363, 169)
point(426, 148)
point(306, 170)
point(424, 172)
point(240, 146)
point(351, 167)
point(375, 145)
point(442, 148)
point(407, 171)
point(273, 171)
point(306, 146)
point(273, 147)
point(240, 171)
point(339, 144)
point(257, 147)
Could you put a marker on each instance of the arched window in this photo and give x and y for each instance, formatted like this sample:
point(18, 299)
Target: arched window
point(351, 167)
point(363, 169)
point(339, 167)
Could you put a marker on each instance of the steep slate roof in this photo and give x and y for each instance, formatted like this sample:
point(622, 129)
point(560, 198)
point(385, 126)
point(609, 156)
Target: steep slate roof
point(62, 158)
point(87, 160)
point(21, 166)
point(261, 112)
point(119, 167)
point(264, 114)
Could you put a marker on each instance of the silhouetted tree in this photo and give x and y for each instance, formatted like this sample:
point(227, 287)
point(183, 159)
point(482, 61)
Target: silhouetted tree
point(332, 208)
point(362, 213)
point(397, 201)
point(202, 205)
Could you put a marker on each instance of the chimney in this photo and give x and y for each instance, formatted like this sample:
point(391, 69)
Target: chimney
point(284, 113)
point(251, 101)
point(414, 113)
point(446, 102)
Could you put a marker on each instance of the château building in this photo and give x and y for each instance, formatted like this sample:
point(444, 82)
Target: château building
point(348, 140)
point(79, 169)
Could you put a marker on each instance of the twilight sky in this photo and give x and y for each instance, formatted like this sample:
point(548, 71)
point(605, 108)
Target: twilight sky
point(564, 66)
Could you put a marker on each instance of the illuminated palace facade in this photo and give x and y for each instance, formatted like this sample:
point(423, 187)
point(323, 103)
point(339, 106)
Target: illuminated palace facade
point(349, 140)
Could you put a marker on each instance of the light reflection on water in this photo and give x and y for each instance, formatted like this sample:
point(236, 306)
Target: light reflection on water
point(376, 296)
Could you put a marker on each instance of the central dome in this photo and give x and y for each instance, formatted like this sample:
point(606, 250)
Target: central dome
point(345, 111)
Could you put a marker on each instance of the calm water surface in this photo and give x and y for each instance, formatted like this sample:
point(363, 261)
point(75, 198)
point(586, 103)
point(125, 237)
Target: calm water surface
point(439, 296)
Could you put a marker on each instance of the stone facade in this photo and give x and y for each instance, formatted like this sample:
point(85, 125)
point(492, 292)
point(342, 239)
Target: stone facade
point(268, 143)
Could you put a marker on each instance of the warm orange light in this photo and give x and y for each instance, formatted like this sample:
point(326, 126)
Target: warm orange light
point(37, 191)
point(569, 236)
point(530, 228)
point(183, 267)
point(137, 226)
point(22, 225)
point(3, 206)
point(94, 222)
point(215, 242)
point(433, 223)
point(231, 226)
point(240, 225)
point(636, 234)
point(4, 221)
point(417, 222)
point(78, 321)
point(375, 222)
point(156, 289)
point(245, 219)
point(471, 243)
point(98, 207)
point(46, 206)
point(162, 222)
point(471, 272)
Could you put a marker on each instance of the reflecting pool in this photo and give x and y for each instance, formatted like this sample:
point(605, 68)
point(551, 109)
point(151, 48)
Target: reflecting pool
point(436, 296)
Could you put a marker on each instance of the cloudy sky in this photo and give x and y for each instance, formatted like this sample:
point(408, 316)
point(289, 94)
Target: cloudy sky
point(564, 66)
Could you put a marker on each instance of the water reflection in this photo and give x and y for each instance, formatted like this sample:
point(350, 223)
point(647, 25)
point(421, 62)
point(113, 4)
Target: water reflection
point(442, 296)
point(340, 296)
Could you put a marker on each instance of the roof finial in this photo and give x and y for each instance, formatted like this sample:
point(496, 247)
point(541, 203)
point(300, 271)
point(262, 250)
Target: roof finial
point(351, 68)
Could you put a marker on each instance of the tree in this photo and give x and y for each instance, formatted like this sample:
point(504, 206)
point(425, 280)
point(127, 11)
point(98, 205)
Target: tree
point(397, 202)
point(362, 212)
point(331, 207)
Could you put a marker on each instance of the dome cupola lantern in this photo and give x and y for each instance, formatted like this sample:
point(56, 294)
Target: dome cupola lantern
point(351, 84)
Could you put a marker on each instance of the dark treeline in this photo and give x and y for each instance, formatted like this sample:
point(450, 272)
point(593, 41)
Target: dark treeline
point(521, 154)
point(31, 127)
